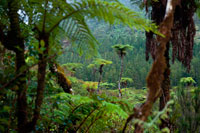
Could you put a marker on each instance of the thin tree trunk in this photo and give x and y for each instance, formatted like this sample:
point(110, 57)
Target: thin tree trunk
point(120, 76)
point(41, 82)
point(165, 97)
point(100, 77)
point(155, 76)
point(94, 74)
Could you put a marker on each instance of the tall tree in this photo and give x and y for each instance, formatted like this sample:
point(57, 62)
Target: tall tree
point(125, 81)
point(182, 41)
point(168, 14)
point(155, 76)
point(12, 38)
point(100, 63)
point(121, 51)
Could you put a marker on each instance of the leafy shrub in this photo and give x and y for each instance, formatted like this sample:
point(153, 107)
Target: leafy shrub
point(187, 81)
point(186, 110)
point(74, 113)
point(106, 85)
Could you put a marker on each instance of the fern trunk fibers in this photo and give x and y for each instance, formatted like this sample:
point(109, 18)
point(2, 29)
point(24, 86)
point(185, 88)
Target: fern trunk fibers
point(165, 96)
point(120, 76)
point(155, 77)
point(61, 78)
point(100, 77)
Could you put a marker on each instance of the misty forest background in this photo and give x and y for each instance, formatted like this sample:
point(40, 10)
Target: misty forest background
point(135, 64)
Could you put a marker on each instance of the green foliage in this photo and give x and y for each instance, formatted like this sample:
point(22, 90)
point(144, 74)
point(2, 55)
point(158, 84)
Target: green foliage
point(64, 20)
point(186, 111)
point(187, 81)
point(72, 66)
point(99, 61)
point(73, 113)
point(107, 85)
point(90, 85)
point(91, 66)
point(69, 19)
point(152, 125)
point(122, 49)
point(198, 7)
point(126, 80)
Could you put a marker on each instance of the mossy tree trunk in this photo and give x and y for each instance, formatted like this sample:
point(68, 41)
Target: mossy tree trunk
point(61, 78)
point(165, 94)
point(155, 77)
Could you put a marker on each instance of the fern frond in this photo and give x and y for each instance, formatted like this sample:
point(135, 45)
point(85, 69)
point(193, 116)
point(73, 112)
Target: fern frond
point(111, 12)
point(78, 32)
point(71, 17)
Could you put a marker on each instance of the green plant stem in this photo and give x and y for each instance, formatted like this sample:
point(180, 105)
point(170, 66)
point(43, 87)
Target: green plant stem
point(85, 119)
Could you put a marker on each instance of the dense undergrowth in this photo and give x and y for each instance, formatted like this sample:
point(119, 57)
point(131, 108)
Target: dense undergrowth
point(85, 111)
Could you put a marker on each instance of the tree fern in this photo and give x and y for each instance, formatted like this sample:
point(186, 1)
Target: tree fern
point(87, 111)
point(49, 15)
point(80, 35)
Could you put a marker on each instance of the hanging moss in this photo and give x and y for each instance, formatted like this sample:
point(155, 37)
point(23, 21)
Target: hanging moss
point(183, 31)
point(155, 77)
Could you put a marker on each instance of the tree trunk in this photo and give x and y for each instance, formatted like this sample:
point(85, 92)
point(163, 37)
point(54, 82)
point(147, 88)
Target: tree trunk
point(100, 77)
point(61, 78)
point(42, 64)
point(120, 76)
point(21, 92)
point(14, 41)
point(165, 97)
point(155, 77)
point(94, 74)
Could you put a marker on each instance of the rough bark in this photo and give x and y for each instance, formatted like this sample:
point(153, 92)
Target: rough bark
point(14, 41)
point(61, 78)
point(165, 94)
point(155, 76)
